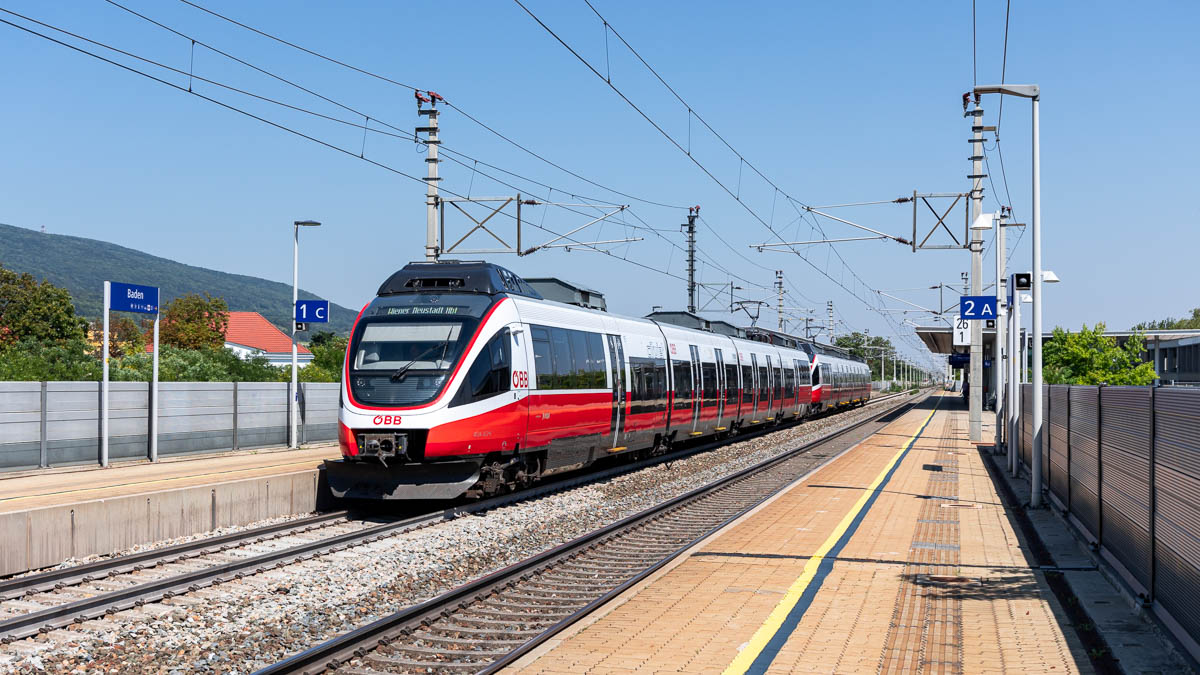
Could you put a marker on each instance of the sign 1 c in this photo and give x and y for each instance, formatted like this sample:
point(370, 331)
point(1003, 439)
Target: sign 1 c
point(977, 307)
point(312, 311)
point(133, 298)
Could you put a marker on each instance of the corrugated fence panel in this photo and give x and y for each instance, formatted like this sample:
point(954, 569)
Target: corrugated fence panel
point(1027, 425)
point(1177, 513)
point(1125, 478)
point(73, 422)
point(20, 424)
point(262, 413)
point(1057, 427)
point(1045, 436)
point(128, 420)
point(194, 417)
point(320, 410)
point(1084, 430)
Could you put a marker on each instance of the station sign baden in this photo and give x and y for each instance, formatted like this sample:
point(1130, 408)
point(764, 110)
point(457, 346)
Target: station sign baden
point(977, 307)
point(312, 311)
point(133, 298)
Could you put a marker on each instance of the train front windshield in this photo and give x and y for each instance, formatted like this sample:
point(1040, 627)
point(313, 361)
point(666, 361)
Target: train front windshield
point(406, 347)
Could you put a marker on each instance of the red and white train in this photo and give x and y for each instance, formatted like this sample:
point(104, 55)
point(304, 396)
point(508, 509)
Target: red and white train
point(461, 379)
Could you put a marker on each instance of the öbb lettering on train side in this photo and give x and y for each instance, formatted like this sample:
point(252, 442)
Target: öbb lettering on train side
point(520, 379)
point(386, 419)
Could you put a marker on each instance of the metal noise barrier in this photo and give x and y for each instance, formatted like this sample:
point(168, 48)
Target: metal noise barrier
point(1123, 464)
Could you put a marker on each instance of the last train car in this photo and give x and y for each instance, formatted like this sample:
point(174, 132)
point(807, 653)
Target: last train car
point(460, 379)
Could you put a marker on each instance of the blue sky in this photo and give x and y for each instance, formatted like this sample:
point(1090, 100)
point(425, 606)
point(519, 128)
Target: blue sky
point(834, 102)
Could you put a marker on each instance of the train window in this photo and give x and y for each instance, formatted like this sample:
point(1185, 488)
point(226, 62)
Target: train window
point(747, 384)
point(543, 358)
point(789, 380)
point(778, 380)
point(649, 385)
point(683, 384)
point(711, 393)
point(581, 370)
point(731, 384)
point(595, 347)
point(491, 372)
point(560, 344)
point(763, 385)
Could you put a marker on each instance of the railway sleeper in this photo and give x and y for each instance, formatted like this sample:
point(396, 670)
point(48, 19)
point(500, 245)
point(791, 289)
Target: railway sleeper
point(515, 616)
point(418, 665)
point(419, 652)
point(474, 638)
point(574, 592)
point(597, 576)
point(522, 608)
point(542, 599)
point(524, 626)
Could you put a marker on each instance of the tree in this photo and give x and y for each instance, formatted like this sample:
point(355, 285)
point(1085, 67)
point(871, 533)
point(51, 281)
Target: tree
point(124, 336)
point(196, 365)
point(329, 353)
point(194, 322)
point(40, 312)
point(870, 349)
point(35, 360)
point(1089, 357)
point(1192, 322)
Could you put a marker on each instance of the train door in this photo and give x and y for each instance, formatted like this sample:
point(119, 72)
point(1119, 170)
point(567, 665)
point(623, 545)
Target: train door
point(616, 360)
point(769, 412)
point(697, 386)
point(754, 375)
point(721, 388)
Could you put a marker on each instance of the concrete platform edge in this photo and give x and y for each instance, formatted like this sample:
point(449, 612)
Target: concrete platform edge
point(46, 536)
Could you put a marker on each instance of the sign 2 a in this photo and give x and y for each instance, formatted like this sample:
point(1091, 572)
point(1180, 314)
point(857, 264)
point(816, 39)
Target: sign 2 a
point(977, 307)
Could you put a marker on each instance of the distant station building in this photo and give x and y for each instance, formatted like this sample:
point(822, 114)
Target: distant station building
point(559, 290)
point(250, 334)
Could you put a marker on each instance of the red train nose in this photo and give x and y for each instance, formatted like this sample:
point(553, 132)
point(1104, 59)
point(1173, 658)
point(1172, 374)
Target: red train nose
point(347, 440)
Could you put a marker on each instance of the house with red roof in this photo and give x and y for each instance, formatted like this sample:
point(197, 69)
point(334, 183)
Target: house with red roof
point(250, 334)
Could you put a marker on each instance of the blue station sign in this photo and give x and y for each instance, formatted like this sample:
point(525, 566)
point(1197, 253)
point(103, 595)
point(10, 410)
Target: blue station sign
point(312, 311)
point(977, 307)
point(132, 298)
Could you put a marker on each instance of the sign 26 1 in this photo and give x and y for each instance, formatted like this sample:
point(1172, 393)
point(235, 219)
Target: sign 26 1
point(520, 379)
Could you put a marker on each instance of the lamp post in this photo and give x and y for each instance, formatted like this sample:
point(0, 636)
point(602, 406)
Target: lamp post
point(294, 402)
point(1033, 92)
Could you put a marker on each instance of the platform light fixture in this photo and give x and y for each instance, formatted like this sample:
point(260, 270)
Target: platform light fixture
point(1034, 93)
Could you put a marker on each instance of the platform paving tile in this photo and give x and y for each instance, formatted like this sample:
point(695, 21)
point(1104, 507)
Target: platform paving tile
point(877, 610)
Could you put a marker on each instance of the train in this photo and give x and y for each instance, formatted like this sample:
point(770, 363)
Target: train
point(462, 380)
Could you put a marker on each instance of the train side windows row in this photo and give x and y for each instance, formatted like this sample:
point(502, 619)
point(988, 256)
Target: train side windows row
point(568, 359)
point(648, 388)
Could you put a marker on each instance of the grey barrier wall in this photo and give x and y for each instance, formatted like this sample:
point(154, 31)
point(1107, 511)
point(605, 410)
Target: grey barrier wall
point(1124, 464)
point(58, 423)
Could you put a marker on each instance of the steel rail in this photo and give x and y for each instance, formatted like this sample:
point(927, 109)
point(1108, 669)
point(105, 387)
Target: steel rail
point(337, 651)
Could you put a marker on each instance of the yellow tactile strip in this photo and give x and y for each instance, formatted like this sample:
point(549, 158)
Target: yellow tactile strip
point(697, 616)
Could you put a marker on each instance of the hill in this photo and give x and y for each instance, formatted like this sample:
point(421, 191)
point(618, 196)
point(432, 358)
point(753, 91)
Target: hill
point(82, 265)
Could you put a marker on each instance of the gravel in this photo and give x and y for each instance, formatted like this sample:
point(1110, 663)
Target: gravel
point(240, 626)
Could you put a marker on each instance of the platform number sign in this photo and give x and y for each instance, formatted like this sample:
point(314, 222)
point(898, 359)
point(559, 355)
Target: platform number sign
point(977, 307)
point(962, 332)
point(312, 311)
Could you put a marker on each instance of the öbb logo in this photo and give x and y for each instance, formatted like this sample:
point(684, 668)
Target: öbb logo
point(520, 379)
point(387, 419)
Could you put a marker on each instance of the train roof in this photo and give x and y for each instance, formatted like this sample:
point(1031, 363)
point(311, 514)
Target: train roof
point(461, 276)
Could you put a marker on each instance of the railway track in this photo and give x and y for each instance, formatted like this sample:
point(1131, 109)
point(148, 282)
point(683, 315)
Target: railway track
point(54, 599)
point(487, 624)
